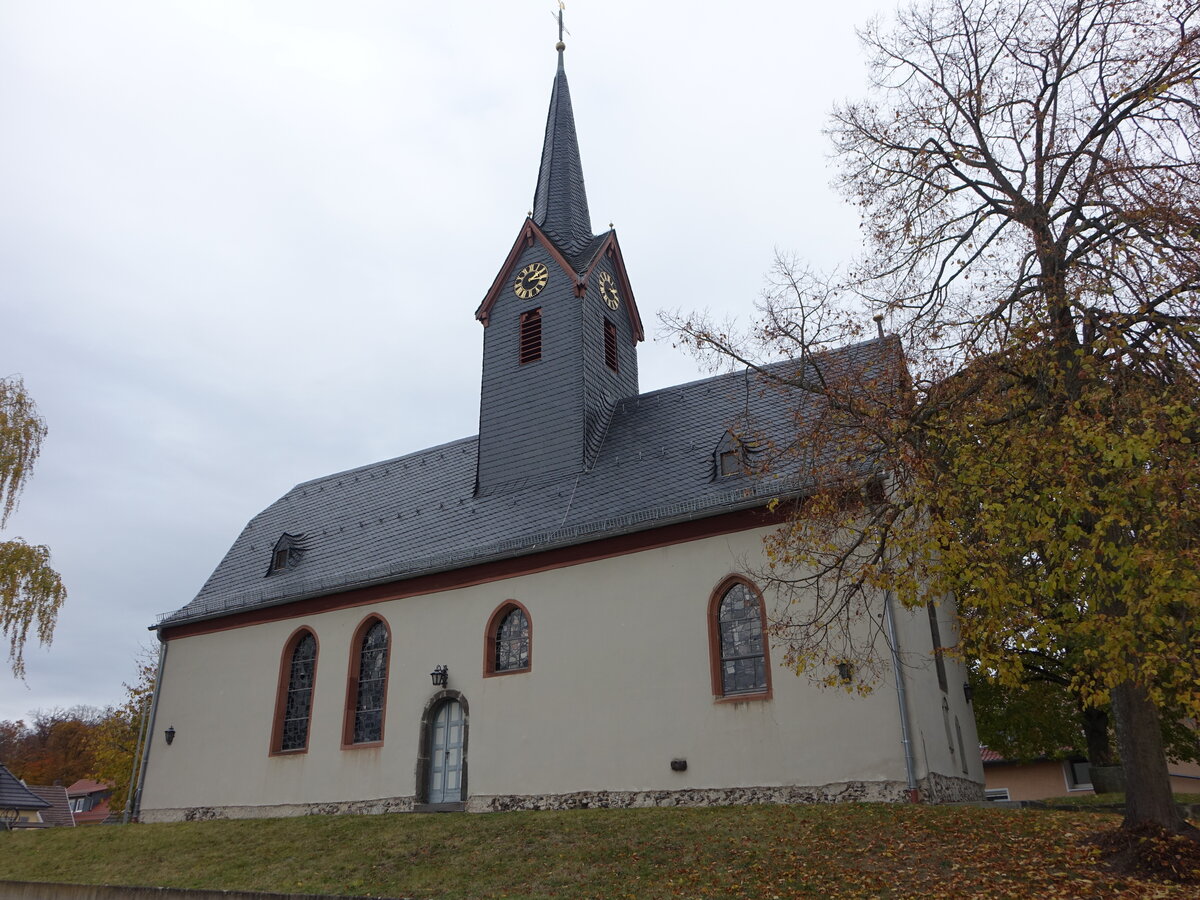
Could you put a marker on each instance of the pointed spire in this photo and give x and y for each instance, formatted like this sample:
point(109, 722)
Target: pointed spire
point(560, 202)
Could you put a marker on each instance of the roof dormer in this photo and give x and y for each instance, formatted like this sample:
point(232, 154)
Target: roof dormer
point(286, 553)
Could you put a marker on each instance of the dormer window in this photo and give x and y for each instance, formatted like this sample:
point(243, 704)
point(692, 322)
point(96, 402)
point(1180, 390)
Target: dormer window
point(286, 553)
point(731, 463)
point(731, 457)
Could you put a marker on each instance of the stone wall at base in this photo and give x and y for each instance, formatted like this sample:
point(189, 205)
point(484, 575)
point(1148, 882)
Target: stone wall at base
point(841, 792)
point(282, 810)
point(934, 789)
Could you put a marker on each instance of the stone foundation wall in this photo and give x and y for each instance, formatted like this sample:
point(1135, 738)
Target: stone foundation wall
point(344, 808)
point(934, 789)
point(842, 792)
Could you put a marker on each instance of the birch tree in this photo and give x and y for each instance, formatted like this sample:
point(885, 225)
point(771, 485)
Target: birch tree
point(31, 592)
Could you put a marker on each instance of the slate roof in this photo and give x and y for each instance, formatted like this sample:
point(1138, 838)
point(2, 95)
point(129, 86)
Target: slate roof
point(59, 811)
point(418, 514)
point(14, 795)
point(560, 206)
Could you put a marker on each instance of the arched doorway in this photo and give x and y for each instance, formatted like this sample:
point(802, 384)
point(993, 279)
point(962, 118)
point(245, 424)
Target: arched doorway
point(442, 763)
point(446, 736)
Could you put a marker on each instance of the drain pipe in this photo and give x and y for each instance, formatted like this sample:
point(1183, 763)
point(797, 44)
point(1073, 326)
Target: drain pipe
point(914, 795)
point(137, 797)
point(137, 764)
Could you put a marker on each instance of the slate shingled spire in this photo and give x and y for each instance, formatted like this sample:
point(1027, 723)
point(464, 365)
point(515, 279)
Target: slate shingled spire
point(560, 202)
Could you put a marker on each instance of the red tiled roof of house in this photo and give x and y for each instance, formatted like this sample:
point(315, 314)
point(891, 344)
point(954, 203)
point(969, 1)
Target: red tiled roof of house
point(988, 755)
point(87, 786)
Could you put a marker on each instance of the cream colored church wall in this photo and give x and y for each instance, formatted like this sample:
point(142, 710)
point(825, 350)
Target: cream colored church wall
point(936, 750)
point(619, 686)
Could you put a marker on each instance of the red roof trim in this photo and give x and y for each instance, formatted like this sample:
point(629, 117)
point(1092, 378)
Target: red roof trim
point(529, 233)
point(483, 573)
point(612, 249)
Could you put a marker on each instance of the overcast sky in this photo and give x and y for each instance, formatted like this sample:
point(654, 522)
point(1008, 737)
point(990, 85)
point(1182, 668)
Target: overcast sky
point(241, 243)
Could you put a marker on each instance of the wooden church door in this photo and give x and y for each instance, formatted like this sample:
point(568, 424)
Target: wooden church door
point(446, 754)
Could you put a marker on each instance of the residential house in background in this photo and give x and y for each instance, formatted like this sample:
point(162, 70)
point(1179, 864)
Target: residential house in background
point(58, 814)
point(90, 802)
point(19, 806)
point(1043, 779)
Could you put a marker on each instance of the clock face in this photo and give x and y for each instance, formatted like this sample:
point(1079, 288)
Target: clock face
point(608, 291)
point(531, 280)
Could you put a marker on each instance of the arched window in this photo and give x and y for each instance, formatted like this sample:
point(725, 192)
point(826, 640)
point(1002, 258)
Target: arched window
point(366, 689)
point(293, 706)
point(508, 640)
point(737, 639)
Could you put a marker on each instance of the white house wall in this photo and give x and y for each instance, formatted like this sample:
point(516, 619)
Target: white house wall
point(619, 687)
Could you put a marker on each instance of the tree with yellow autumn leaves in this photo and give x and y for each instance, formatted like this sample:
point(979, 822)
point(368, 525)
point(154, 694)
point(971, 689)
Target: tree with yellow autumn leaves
point(1029, 189)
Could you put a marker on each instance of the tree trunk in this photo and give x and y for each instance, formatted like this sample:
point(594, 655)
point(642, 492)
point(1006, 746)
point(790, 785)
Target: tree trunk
point(1148, 797)
point(1107, 776)
point(1095, 732)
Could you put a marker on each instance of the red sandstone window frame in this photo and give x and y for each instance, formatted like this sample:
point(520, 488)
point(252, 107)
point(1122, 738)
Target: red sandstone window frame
point(352, 675)
point(489, 639)
point(714, 642)
point(282, 689)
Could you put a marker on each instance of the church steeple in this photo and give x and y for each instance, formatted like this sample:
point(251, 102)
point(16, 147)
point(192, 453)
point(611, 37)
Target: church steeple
point(560, 206)
point(560, 328)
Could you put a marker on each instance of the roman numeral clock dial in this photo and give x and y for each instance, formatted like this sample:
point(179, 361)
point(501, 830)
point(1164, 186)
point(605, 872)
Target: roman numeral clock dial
point(608, 291)
point(531, 280)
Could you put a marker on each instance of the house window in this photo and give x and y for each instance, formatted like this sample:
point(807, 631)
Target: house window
point(1079, 775)
point(507, 640)
point(366, 690)
point(737, 639)
point(531, 335)
point(294, 707)
point(995, 794)
point(610, 345)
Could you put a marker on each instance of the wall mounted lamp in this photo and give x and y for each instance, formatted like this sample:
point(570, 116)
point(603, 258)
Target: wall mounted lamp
point(169, 734)
point(968, 691)
point(440, 676)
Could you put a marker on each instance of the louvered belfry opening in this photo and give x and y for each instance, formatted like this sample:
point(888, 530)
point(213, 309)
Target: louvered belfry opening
point(610, 345)
point(531, 335)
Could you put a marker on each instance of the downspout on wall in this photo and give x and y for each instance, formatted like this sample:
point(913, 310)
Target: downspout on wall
point(137, 761)
point(162, 659)
point(914, 794)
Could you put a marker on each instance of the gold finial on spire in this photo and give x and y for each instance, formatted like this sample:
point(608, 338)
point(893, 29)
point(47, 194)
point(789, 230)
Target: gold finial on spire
point(560, 46)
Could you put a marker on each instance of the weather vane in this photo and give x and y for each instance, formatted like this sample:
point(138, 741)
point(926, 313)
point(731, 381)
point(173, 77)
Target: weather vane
point(561, 7)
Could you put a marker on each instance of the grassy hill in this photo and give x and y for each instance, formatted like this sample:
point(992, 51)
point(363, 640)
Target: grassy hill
point(854, 850)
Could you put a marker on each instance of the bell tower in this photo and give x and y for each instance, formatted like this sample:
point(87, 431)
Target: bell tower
point(560, 327)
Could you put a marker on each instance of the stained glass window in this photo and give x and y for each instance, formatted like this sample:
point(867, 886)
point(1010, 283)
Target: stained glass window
point(298, 706)
point(372, 681)
point(739, 623)
point(512, 641)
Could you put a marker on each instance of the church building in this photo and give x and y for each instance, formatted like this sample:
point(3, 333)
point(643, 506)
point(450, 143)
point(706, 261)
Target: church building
point(559, 612)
